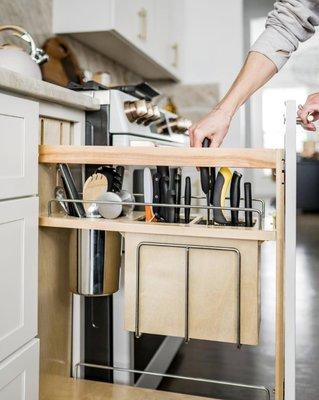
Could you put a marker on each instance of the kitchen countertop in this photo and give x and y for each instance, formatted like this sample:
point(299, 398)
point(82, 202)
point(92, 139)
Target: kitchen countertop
point(11, 81)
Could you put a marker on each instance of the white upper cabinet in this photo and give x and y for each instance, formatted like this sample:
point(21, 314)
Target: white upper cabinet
point(140, 34)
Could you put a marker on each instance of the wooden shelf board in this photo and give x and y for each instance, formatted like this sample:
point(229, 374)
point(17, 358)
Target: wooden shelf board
point(131, 224)
point(61, 388)
point(171, 156)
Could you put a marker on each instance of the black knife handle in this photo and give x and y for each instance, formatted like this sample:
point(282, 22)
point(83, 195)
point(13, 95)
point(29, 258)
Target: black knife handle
point(178, 193)
point(235, 196)
point(248, 204)
point(170, 211)
point(204, 171)
point(187, 199)
point(164, 189)
point(156, 192)
point(217, 199)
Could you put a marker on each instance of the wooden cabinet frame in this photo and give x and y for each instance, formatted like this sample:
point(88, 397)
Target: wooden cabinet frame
point(284, 164)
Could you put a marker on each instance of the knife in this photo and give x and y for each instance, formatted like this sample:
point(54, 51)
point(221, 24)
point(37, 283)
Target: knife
point(148, 194)
point(170, 211)
point(156, 193)
point(76, 209)
point(164, 182)
point(248, 204)
point(222, 183)
point(178, 193)
point(187, 198)
point(205, 181)
point(235, 196)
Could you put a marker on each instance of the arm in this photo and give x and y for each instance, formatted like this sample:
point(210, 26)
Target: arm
point(291, 22)
point(256, 71)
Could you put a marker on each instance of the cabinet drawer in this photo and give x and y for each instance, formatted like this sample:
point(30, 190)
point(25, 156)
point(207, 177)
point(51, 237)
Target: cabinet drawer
point(18, 146)
point(19, 273)
point(19, 374)
point(222, 298)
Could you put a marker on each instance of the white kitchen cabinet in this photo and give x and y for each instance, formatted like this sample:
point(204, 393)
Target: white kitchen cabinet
point(19, 273)
point(167, 30)
point(133, 32)
point(18, 146)
point(19, 374)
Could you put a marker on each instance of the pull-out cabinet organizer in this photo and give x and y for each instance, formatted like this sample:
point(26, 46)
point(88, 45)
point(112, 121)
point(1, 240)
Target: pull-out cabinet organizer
point(191, 281)
point(192, 287)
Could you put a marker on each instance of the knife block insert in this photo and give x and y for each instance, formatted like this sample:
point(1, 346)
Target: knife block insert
point(217, 309)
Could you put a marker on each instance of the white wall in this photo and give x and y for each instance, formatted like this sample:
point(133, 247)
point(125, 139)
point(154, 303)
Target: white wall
point(213, 49)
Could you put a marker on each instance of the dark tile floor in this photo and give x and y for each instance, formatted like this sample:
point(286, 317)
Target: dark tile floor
point(255, 365)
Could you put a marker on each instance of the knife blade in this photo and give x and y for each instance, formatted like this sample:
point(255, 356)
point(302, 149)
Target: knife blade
point(235, 196)
point(148, 194)
point(222, 183)
point(187, 198)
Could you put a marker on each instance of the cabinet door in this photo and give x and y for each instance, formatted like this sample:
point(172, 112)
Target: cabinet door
point(135, 21)
point(18, 146)
point(167, 26)
point(18, 272)
point(19, 374)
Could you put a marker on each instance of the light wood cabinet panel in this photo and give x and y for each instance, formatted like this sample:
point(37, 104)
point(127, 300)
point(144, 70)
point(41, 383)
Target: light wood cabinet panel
point(19, 273)
point(19, 374)
point(213, 288)
point(18, 146)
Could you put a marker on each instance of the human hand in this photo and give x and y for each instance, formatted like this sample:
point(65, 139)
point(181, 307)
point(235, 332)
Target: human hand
point(311, 106)
point(214, 126)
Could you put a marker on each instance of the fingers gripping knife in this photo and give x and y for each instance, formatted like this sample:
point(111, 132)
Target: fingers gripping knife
point(207, 180)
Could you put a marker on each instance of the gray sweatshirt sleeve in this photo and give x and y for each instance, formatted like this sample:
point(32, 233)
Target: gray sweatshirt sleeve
point(290, 22)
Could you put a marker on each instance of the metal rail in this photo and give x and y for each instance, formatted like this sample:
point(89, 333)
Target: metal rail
point(135, 203)
point(187, 247)
point(171, 376)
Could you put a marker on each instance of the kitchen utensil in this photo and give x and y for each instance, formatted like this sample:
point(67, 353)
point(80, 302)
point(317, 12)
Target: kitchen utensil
point(60, 194)
point(128, 197)
point(16, 59)
point(164, 187)
point(170, 199)
point(110, 211)
point(178, 193)
point(76, 209)
point(62, 67)
point(148, 194)
point(114, 177)
point(221, 187)
point(156, 193)
point(235, 196)
point(187, 198)
point(204, 181)
point(97, 270)
point(93, 188)
point(248, 204)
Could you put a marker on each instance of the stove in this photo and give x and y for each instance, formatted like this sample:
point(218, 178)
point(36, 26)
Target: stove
point(129, 116)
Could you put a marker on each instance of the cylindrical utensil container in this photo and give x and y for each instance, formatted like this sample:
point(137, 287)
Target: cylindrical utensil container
point(97, 269)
